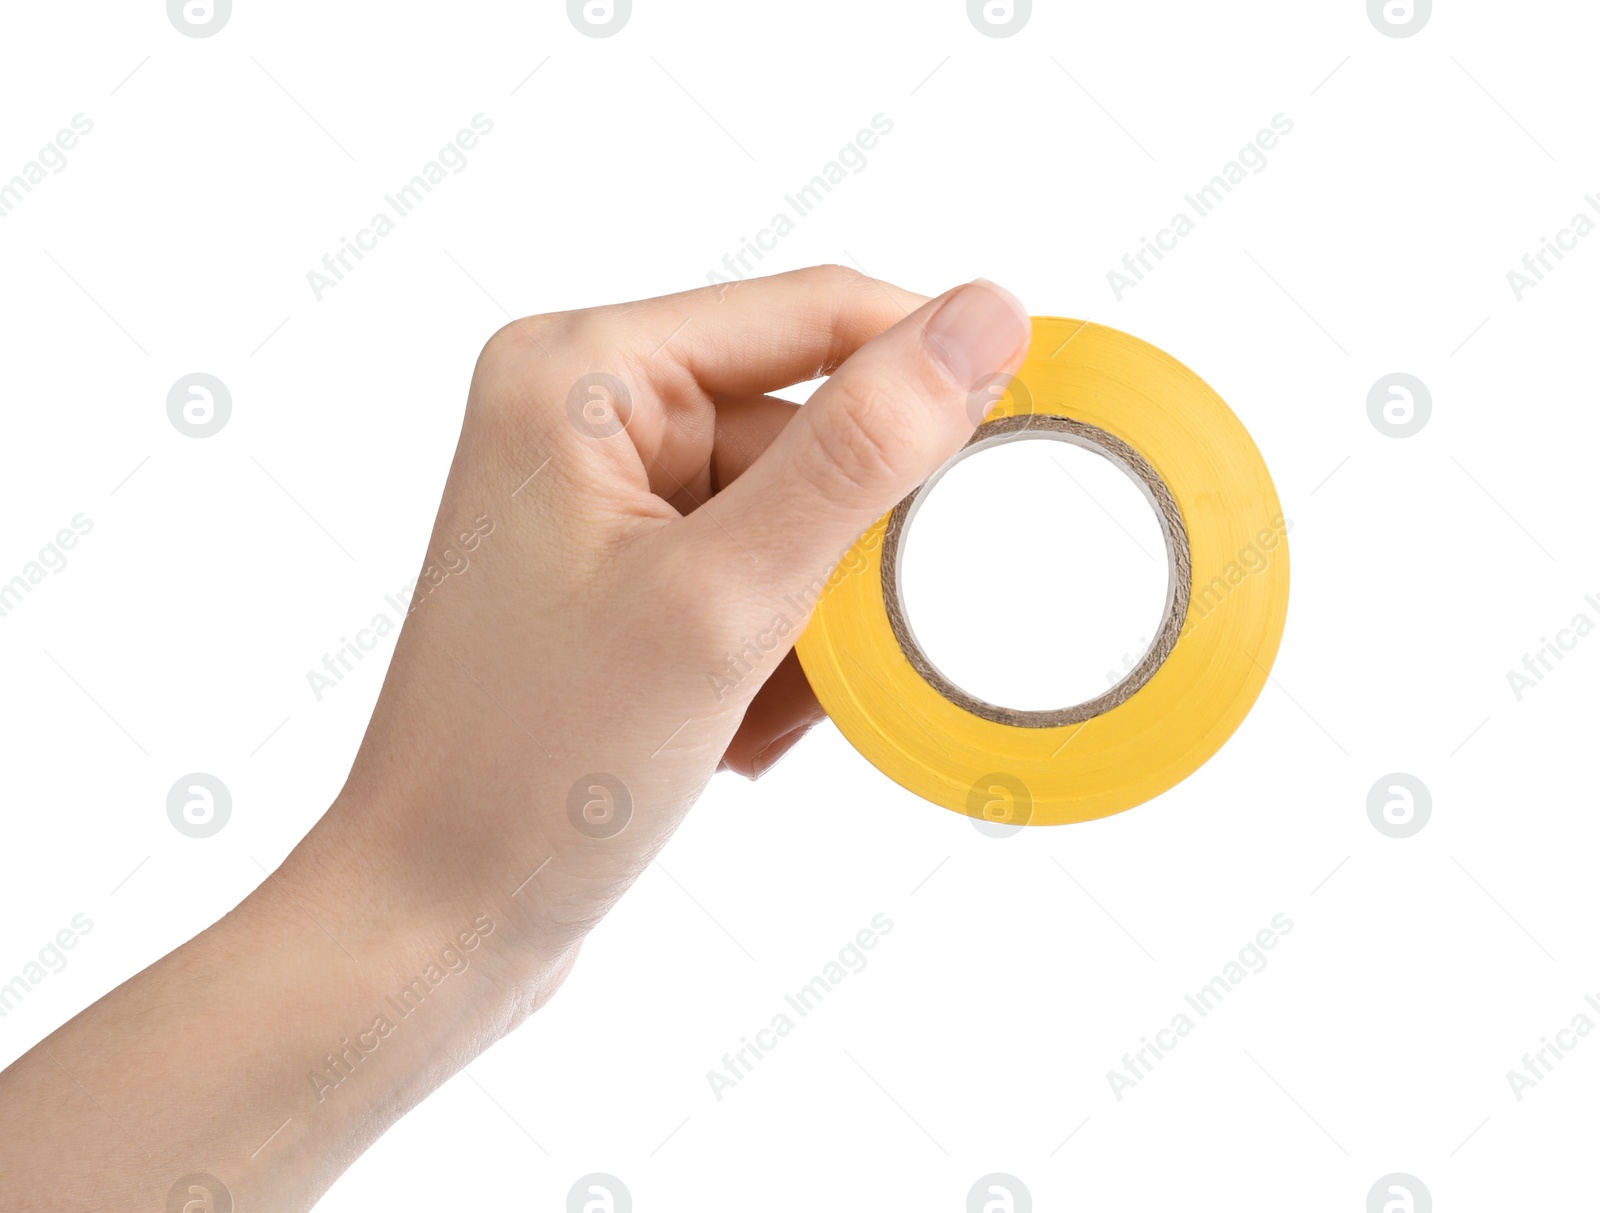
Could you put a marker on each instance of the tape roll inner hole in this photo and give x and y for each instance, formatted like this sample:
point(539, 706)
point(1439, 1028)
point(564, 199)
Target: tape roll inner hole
point(1179, 573)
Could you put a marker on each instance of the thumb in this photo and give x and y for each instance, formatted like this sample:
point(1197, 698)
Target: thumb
point(882, 424)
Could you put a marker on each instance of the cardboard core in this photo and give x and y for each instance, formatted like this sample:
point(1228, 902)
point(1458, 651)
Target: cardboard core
point(1179, 575)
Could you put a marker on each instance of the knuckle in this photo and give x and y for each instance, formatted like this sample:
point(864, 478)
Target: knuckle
point(523, 375)
point(844, 278)
point(512, 344)
point(865, 435)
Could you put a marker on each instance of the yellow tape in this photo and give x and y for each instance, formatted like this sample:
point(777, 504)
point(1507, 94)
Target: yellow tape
point(1238, 595)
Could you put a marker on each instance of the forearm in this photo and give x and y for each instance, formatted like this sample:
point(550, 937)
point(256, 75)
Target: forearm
point(270, 1050)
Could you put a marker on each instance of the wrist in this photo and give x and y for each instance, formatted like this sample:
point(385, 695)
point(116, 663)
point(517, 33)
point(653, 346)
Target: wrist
point(382, 884)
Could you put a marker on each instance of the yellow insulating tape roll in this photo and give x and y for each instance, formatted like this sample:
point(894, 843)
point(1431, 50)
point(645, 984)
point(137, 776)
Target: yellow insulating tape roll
point(1226, 605)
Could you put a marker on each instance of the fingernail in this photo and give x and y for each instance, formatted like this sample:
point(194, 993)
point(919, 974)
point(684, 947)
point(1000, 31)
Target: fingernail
point(977, 330)
point(768, 758)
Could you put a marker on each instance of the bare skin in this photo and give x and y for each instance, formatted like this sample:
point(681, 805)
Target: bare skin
point(611, 577)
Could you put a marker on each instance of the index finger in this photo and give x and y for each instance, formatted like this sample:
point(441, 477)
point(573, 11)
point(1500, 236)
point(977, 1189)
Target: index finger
point(681, 352)
point(757, 335)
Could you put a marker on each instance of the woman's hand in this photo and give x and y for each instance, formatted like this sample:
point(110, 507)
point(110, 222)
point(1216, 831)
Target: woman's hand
point(649, 532)
point(631, 538)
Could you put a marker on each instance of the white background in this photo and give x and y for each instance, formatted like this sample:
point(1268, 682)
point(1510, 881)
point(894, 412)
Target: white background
point(1019, 970)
